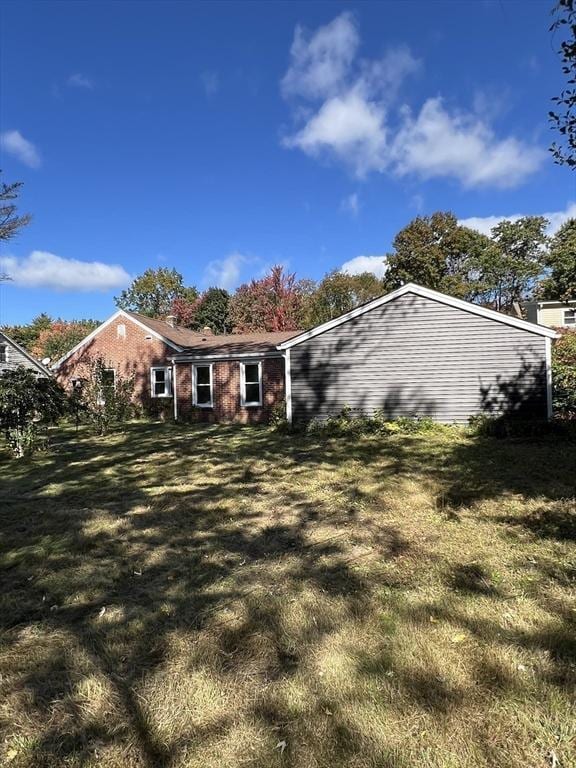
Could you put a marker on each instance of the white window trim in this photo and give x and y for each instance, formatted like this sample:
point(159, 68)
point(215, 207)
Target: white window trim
point(106, 370)
point(195, 402)
point(4, 347)
point(569, 313)
point(167, 378)
point(244, 403)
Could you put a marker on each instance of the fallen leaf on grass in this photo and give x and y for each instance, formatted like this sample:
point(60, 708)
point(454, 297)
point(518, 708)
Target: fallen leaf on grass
point(281, 746)
point(459, 638)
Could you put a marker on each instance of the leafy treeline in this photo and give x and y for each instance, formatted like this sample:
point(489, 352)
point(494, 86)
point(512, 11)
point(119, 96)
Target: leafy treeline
point(517, 262)
point(47, 337)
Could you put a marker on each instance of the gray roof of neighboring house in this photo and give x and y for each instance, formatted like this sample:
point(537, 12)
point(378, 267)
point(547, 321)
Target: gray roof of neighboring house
point(228, 345)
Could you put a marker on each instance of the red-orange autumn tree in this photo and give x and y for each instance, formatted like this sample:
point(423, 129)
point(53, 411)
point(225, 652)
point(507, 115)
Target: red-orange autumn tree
point(272, 303)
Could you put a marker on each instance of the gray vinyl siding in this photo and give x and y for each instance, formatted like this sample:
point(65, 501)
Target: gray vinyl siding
point(417, 356)
point(15, 358)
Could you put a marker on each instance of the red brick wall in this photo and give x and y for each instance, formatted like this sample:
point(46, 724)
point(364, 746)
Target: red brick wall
point(134, 354)
point(226, 393)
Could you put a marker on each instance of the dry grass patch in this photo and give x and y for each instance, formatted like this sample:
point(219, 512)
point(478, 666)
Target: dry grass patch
point(192, 597)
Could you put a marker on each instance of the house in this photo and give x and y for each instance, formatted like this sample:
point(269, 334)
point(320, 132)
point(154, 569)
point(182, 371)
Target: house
point(411, 352)
point(554, 314)
point(417, 351)
point(12, 356)
point(183, 373)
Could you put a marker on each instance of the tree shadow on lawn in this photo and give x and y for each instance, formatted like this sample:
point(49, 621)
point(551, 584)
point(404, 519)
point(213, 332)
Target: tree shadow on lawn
point(98, 526)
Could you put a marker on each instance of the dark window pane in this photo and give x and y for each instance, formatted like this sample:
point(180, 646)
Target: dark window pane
point(203, 374)
point(3, 353)
point(108, 378)
point(203, 395)
point(160, 375)
point(251, 374)
point(252, 393)
point(159, 388)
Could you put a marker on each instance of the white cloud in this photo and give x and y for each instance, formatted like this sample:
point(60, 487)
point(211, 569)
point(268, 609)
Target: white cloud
point(13, 143)
point(461, 146)
point(351, 204)
point(348, 127)
point(360, 264)
point(320, 62)
point(225, 273)
point(210, 80)
point(484, 224)
point(355, 121)
point(46, 270)
point(79, 80)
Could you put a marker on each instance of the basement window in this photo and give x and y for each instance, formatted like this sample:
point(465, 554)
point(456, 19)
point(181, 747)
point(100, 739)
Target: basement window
point(570, 317)
point(202, 386)
point(251, 384)
point(161, 379)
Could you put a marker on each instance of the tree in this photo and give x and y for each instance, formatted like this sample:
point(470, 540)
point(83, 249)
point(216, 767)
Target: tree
point(273, 303)
point(60, 336)
point(339, 292)
point(26, 403)
point(509, 269)
point(154, 292)
point(26, 335)
point(560, 284)
point(564, 120)
point(213, 311)
point(105, 395)
point(437, 252)
point(10, 222)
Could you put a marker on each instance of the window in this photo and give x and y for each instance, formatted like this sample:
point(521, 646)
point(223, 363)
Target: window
point(108, 378)
point(161, 382)
point(570, 317)
point(121, 331)
point(251, 383)
point(3, 353)
point(202, 386)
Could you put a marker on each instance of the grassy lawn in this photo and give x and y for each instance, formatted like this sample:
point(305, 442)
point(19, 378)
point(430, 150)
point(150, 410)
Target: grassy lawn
point(223, 597)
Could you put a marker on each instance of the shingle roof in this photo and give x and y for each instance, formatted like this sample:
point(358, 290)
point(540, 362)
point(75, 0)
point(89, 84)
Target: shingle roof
point(182, 337)
point(236, 343)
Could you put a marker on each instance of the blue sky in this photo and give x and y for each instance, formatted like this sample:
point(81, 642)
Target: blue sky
point(221, 138)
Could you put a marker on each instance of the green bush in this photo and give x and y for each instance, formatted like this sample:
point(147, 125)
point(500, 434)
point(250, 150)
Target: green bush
point(349, 423)
point(564, 374)
point(503, 427)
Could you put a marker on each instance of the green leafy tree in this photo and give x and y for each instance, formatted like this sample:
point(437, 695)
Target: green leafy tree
point(105, 395)
point(509, 269)
point(27, 403)
point(60, 337)
point(564, 374)
point(339, 292)
point(27, 335)
point(560, 283)
point(437, 252)
point(563, 118)
point(213, 311)
point(154, 292)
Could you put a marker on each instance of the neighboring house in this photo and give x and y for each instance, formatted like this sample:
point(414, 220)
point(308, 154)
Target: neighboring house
point(554, 314)
point(411, 352)
point(12, 356)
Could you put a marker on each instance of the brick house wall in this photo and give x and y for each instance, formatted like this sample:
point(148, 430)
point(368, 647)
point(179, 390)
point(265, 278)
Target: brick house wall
point(226, 393)
point(129, 354)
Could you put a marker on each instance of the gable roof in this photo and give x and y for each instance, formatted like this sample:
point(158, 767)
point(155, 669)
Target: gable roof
point(37, 364)
point(176, 337)
point(235, 344)
point(427, 293)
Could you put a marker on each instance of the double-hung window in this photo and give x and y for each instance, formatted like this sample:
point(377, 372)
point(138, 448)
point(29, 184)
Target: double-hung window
point(570, 317)
point(161, 382)
point(251, 383)
point(202, 386)
point(3, 353)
